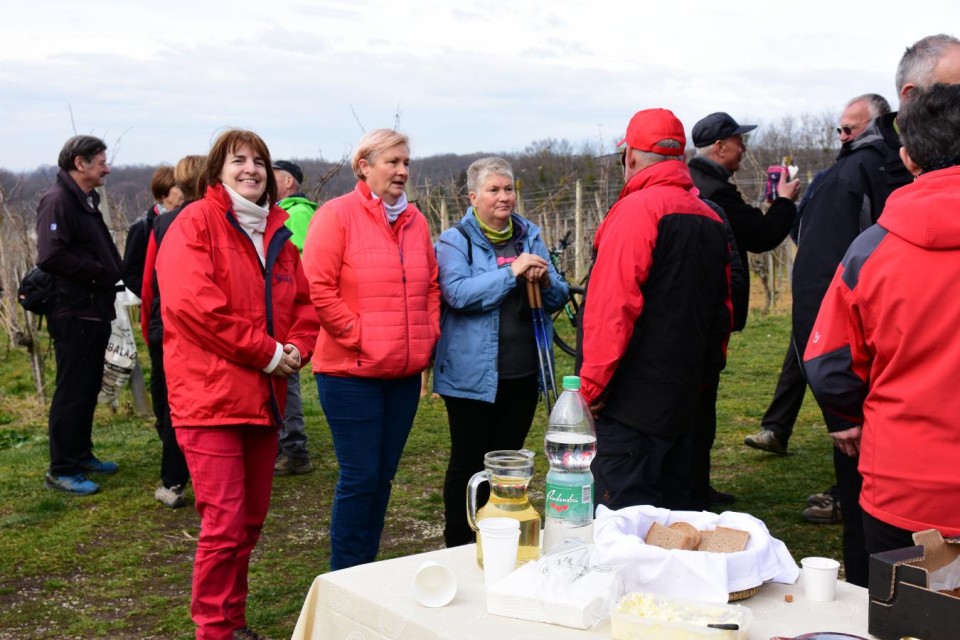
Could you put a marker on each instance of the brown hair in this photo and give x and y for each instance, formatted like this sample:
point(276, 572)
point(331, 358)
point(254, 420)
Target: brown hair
point(228, 142)
point(373, 144)
point(161, 183)
point(189, 176)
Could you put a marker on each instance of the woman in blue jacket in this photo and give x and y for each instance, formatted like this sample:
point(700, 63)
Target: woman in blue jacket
point(486, 363)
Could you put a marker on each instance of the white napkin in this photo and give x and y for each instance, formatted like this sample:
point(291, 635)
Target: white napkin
point(563, 587)
point(618, 539)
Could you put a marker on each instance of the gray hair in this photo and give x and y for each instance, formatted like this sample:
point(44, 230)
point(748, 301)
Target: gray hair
point(480, 170)
point(648, 158)
point(86, 147)
point(918, 61)
point(877, 105)
point(373, 144)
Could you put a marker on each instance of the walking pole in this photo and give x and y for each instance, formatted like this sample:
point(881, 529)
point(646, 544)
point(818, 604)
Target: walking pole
point(543, 349)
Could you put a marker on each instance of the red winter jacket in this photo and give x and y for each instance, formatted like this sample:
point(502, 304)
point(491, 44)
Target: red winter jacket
point(374, 286)
point(223, 318)
point(884, 353)
point(657, 314)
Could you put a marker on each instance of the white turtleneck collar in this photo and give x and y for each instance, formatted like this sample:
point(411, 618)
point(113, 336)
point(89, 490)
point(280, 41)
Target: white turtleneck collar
point(252, 218)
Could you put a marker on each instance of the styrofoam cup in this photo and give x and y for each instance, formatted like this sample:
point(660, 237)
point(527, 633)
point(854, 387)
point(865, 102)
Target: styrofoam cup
point(820, 578)
point(499, 541)
point(434, 584)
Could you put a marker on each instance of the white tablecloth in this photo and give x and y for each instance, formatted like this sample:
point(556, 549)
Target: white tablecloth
point(375, 602)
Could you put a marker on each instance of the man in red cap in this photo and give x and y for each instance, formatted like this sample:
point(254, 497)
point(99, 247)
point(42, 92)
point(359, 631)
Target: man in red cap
point(656, 320)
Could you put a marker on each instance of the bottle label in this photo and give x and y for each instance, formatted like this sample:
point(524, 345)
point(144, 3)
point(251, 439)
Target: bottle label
point(567, 501)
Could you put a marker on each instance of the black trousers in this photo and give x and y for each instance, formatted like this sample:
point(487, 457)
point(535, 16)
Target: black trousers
point(173, 466)
point(703, 438)
point(787, 398)
point(477, 427)
point(634, 468)
point(880, 536)
point(856, 561)
point(79, 347)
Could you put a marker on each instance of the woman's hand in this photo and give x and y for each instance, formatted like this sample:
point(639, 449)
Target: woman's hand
point(530, 266)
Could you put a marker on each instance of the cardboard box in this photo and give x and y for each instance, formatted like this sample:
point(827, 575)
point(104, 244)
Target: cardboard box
point(901, 601)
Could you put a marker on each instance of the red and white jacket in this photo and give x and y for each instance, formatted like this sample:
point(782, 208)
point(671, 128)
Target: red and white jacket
point(224, 313)
point(374, 286)
point(884, 353)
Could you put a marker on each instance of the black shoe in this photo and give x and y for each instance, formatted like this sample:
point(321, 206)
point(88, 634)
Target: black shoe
point(719, 497)
point(246, 633)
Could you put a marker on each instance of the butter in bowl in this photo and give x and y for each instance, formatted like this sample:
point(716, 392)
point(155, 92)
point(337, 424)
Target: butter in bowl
point(647, 616)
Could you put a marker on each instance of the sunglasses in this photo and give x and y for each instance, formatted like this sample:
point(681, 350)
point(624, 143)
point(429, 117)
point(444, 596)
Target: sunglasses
point(848, 129)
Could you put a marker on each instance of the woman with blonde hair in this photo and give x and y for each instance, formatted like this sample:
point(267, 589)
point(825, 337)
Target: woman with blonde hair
point(373, 281)
point(237, 321)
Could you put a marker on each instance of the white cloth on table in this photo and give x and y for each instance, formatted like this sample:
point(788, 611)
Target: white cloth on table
point(618, 539)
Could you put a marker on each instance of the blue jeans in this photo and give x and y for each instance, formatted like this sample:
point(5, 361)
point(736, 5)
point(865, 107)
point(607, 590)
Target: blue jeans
point(369, 420)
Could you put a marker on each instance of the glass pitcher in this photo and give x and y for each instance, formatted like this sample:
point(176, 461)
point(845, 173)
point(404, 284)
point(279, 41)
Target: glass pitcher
point(509, 473)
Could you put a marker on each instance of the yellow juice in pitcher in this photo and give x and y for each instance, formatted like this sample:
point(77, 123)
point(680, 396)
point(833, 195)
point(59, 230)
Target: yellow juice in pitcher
point(508, 499)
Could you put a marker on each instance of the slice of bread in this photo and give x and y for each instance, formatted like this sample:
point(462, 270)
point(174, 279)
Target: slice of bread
point(690, 531)
point(726, 540)
point(667, 538)
point(704, 539)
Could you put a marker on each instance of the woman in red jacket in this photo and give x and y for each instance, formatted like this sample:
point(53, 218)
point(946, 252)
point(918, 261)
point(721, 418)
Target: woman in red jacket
point(373, 280)
point(237, 321)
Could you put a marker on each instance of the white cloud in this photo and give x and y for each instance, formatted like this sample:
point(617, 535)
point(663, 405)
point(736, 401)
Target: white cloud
point(466, 76)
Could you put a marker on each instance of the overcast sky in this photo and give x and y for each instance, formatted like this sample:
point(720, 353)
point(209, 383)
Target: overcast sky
point(158, 80)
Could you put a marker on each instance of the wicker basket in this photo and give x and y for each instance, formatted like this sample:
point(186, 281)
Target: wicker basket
point(743, 595)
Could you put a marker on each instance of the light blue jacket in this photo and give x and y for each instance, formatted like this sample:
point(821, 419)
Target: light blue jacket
point(466, 359)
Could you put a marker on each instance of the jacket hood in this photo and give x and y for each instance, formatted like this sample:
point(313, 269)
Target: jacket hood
point(298, 198)
point(880, 133)
point(926, 213)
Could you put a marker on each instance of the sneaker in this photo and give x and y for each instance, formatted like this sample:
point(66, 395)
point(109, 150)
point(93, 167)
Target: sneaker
point(171, 497)
point(766, 440)
point(720, 497)
point(77, 485)
point(292, 465)
point(95, 465)
point(825, 511)
point(822, 499)
point(246, 633)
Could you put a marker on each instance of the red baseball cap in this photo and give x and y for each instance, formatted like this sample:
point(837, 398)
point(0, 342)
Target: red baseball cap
point(650, 126)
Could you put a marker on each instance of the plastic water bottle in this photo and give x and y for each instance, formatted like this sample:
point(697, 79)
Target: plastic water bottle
point(570, 444)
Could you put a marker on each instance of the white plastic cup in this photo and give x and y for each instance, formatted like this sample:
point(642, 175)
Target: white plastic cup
point(499, 541)
point(434, 584)
point(820, 578)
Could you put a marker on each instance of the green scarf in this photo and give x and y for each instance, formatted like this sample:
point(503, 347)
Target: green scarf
point(494, 236)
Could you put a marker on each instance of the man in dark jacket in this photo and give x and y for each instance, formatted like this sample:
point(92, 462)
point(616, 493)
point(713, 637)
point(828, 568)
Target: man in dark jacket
point(656, 319)
point(720, 150)
point(776, 426)
point(74, 245)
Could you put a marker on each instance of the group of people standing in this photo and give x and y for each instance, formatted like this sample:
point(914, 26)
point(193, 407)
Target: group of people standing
point(233, 311)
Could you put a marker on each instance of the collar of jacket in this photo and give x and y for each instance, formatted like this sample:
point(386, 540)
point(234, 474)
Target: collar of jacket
point(881, 133)
point(673, 173)
point(522, 228)
point(714, 168)
point(375, 206)
point(276, 217)
point(89, 201)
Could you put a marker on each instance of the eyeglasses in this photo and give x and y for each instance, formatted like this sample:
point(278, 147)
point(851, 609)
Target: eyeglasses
point(847, 130)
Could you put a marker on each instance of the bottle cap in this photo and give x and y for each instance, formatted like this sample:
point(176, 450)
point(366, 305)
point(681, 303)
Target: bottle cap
point(571, 382)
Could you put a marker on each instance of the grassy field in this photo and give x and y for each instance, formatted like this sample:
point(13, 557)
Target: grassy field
point(117, 564)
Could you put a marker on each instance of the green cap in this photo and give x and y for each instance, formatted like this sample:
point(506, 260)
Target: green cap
point(571, 382)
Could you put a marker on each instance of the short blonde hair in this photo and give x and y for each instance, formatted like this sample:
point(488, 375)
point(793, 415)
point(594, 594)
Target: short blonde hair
point(373, 144)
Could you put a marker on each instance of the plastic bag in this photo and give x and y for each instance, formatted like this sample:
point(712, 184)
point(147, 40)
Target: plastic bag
point(120, 357)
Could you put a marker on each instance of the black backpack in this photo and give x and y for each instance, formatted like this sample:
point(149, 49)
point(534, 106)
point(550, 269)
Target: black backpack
point(36, 292)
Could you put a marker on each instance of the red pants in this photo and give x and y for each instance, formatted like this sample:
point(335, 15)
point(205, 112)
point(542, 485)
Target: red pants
point(232, 471)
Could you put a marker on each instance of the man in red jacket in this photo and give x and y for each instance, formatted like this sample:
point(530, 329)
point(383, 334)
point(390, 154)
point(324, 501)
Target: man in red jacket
point(656, 320)
point(884, 355)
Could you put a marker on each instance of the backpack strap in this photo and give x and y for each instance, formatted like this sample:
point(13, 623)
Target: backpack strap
point(459, 227)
